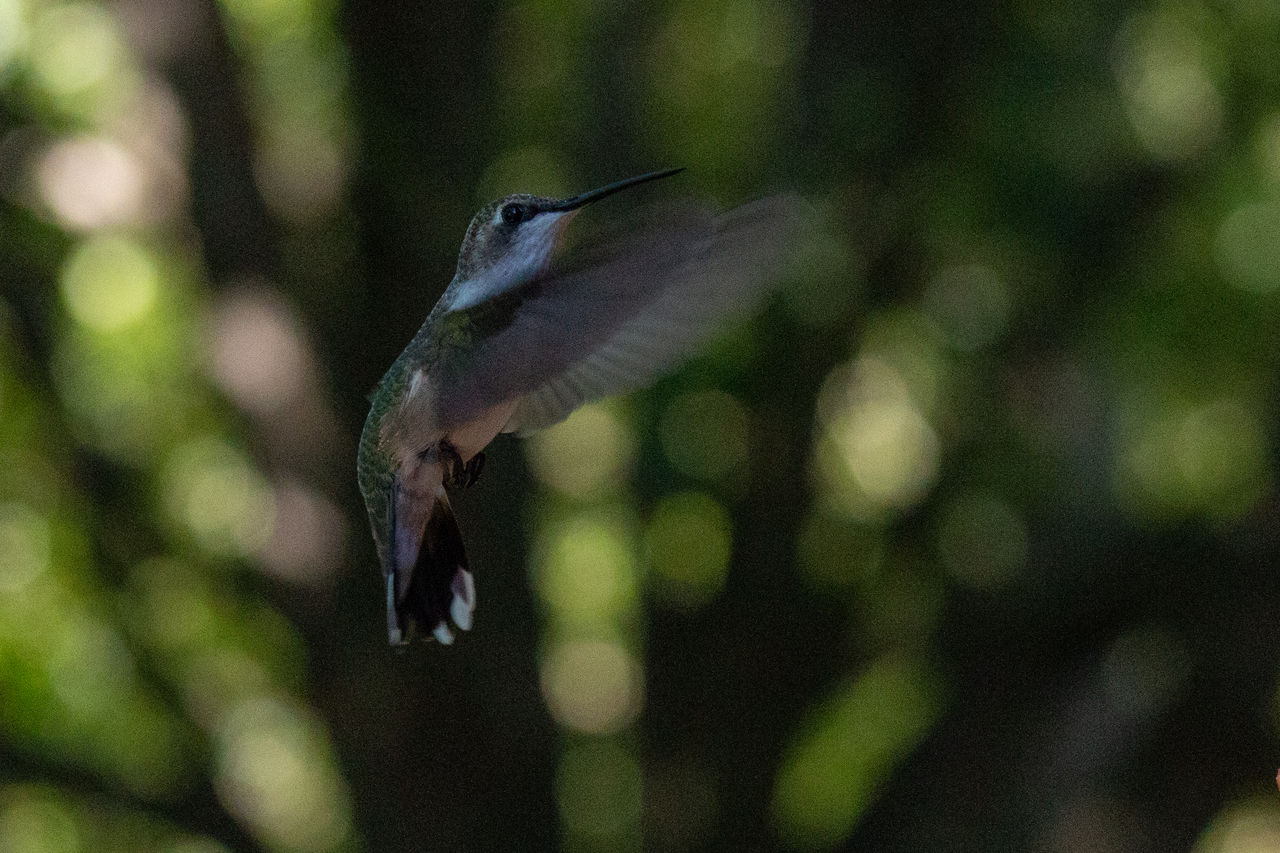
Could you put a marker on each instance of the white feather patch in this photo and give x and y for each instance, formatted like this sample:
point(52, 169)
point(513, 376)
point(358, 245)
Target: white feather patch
point(463, 604)
point(530, 247)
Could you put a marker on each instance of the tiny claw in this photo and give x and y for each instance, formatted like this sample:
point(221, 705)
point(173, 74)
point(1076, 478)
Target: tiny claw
point(473, 468)
point(451, 465)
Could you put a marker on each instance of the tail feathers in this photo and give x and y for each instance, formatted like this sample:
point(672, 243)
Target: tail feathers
point(439, 591)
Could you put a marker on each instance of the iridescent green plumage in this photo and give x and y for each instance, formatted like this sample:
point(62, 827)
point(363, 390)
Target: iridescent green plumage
point(376, 461)
point(375, 466)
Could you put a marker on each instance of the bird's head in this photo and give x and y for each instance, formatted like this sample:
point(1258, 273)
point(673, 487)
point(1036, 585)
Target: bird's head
point(511, 240)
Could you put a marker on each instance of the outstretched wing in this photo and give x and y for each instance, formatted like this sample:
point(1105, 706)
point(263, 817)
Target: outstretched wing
point(620, 318)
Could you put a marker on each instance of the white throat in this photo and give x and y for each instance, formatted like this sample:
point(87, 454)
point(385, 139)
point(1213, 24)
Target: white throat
point(525, 257)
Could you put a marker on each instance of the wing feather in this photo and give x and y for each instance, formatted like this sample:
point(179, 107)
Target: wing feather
point(619, 320)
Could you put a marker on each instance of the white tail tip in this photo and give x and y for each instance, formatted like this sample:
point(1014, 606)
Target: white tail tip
point(463, 604)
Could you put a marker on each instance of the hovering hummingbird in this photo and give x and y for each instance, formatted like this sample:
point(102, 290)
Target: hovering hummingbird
point(518, 341)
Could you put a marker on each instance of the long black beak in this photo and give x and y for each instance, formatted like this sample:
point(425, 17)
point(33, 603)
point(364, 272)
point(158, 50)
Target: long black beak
point(595, 195)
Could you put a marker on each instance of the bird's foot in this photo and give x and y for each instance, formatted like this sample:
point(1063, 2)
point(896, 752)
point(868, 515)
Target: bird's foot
point(456, 473)
point(473, 468)
point(451, 465)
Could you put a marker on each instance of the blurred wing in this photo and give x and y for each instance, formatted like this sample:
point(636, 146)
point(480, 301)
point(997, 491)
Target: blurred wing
point(618, 321)
point(735, 259)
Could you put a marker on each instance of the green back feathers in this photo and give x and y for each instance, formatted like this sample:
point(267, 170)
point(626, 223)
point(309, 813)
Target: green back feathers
point(375, 467)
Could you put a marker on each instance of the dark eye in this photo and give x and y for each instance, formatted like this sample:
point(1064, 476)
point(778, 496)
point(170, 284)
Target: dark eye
point(513, 214)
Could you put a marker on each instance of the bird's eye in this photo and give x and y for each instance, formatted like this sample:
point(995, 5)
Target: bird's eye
point(513, 214)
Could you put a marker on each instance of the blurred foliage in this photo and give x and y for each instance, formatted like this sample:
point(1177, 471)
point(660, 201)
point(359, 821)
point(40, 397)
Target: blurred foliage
point(966, 541)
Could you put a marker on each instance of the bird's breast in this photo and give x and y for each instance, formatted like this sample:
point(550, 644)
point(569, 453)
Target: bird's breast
point(409, 426)
point(413, 428)
point(472, 437)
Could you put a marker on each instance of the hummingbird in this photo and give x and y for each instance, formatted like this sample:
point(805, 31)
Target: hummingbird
point(524, 334)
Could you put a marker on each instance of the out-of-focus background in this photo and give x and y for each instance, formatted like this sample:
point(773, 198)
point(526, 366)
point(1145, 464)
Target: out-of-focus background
point(968, 540)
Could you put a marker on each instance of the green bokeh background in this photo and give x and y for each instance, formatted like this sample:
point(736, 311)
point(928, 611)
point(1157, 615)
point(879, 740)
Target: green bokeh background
point(967, 540)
